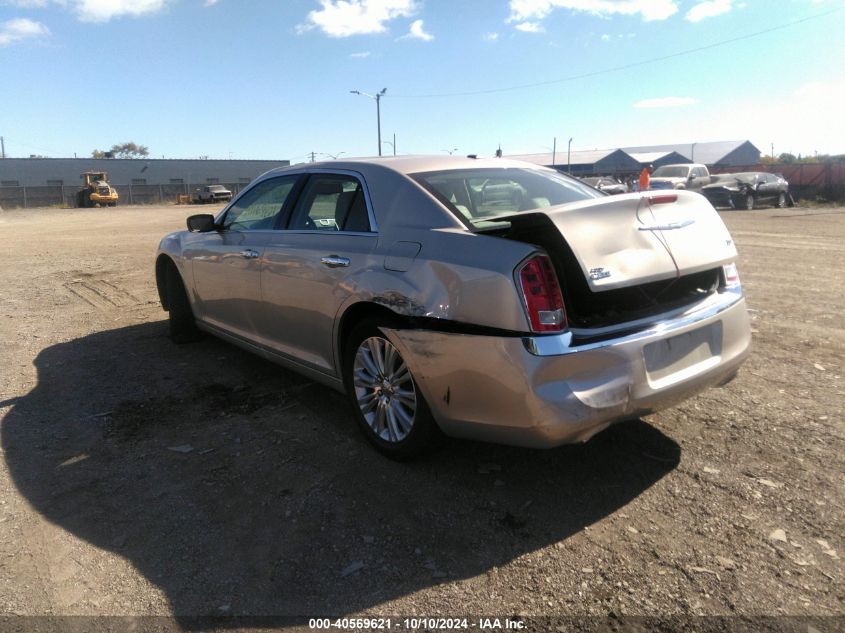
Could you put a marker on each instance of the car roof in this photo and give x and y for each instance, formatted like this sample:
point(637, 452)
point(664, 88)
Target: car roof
point(412, 164)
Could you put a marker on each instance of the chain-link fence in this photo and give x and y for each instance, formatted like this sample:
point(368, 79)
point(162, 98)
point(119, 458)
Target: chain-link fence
point(65, 196)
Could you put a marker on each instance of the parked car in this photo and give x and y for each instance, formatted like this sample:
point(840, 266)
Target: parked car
point(747, 190)
point(481, 298)
point(692, 176)
point(606, 184)
point(211, 194)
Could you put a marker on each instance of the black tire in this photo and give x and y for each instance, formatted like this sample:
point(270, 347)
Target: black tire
point(781, 200)
point(183, 326)
point(424, 433)
point(748, 202)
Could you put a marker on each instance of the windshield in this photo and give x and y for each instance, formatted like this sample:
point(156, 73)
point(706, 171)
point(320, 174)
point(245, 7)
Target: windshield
point(216, 188)
point(476, 195)
point(671, 171)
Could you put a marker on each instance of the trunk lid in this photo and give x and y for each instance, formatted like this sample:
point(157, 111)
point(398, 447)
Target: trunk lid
point(633, 239)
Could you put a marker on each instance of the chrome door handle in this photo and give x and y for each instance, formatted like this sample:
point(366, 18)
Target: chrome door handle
point(333, 261)
point(249, 254)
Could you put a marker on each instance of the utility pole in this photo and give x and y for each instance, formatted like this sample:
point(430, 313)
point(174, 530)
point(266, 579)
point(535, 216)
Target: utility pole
point(554, 151)
point(568, 156)
point(2, 147)
point(378, 119)
point(773, 152)
point(312, 157)
point(394, 143)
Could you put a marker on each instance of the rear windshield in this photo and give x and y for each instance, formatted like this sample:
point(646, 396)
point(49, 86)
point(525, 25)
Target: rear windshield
point(478, 195)
point(671, 171)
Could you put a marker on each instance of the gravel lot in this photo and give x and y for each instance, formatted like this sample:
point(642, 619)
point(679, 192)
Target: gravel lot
point(143, 478)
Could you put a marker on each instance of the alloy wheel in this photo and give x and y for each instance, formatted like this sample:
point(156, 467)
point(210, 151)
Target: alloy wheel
point(384, 389)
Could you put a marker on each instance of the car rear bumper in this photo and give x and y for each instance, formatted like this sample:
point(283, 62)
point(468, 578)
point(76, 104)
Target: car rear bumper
point(543, 391)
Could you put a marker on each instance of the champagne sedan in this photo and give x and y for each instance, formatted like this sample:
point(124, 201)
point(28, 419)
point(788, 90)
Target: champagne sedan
point(477, 298)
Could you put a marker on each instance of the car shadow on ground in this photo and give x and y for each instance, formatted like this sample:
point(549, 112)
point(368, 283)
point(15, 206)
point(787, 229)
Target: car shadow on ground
point(240, 488)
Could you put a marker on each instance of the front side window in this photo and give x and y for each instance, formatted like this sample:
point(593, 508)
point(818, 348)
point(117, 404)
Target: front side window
point(259, 207)
point(476, 195)
point(331, 202)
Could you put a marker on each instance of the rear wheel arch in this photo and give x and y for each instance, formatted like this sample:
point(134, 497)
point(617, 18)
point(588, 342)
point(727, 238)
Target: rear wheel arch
point(357, 313)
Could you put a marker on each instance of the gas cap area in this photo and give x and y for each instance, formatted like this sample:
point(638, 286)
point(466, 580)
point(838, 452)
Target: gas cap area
point(400, 256)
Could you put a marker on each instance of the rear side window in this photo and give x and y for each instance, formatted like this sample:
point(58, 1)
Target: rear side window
point(331, 202)
point(259, 207)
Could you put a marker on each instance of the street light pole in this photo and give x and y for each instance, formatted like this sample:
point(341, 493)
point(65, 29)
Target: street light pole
point(377, 97)
point(568, 156)
point(692, 153)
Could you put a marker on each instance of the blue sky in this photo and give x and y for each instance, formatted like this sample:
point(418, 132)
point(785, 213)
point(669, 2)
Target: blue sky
point(271, 78)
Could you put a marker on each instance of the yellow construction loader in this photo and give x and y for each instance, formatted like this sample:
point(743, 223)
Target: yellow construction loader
point(96, 191)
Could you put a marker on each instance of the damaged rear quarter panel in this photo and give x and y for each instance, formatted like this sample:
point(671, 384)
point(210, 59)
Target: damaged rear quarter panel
point(457, 276)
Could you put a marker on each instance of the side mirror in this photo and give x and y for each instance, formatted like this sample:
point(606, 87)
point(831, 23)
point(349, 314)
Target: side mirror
point(201, 223)
point(690, 177)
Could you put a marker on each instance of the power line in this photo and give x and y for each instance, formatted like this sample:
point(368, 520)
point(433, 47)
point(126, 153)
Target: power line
point(13, 142)
point(614, 69)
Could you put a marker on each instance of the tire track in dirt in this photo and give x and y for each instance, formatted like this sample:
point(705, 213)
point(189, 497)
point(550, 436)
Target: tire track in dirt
point(101, 294)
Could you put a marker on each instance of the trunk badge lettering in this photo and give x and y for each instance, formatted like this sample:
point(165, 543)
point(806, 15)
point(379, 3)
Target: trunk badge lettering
point(599, 273)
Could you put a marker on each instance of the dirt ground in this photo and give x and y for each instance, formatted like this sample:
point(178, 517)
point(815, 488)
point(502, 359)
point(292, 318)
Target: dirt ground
point(143, 478)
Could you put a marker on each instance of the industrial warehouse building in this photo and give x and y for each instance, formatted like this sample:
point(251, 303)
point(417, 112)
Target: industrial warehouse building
point(585, 163)
point(29, 182)
point(627, 161)
point(714, 154)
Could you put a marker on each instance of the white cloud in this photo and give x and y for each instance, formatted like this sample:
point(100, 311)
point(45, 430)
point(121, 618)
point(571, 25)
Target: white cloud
point(605, 37)
point(665, 102)
point(19, 29)
point(100, 10)
point(361, 55)
point(491, 37)
point(535, 10)
point(211, 3)
point(529, 27)
point(708, 9)
point(344, 18)
point(105, 10)
point(417, 32)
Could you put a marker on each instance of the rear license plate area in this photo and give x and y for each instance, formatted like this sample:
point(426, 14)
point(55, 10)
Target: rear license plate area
point(679, 357)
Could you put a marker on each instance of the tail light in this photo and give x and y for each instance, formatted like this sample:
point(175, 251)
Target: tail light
point(542, 295)
point(663, 199)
